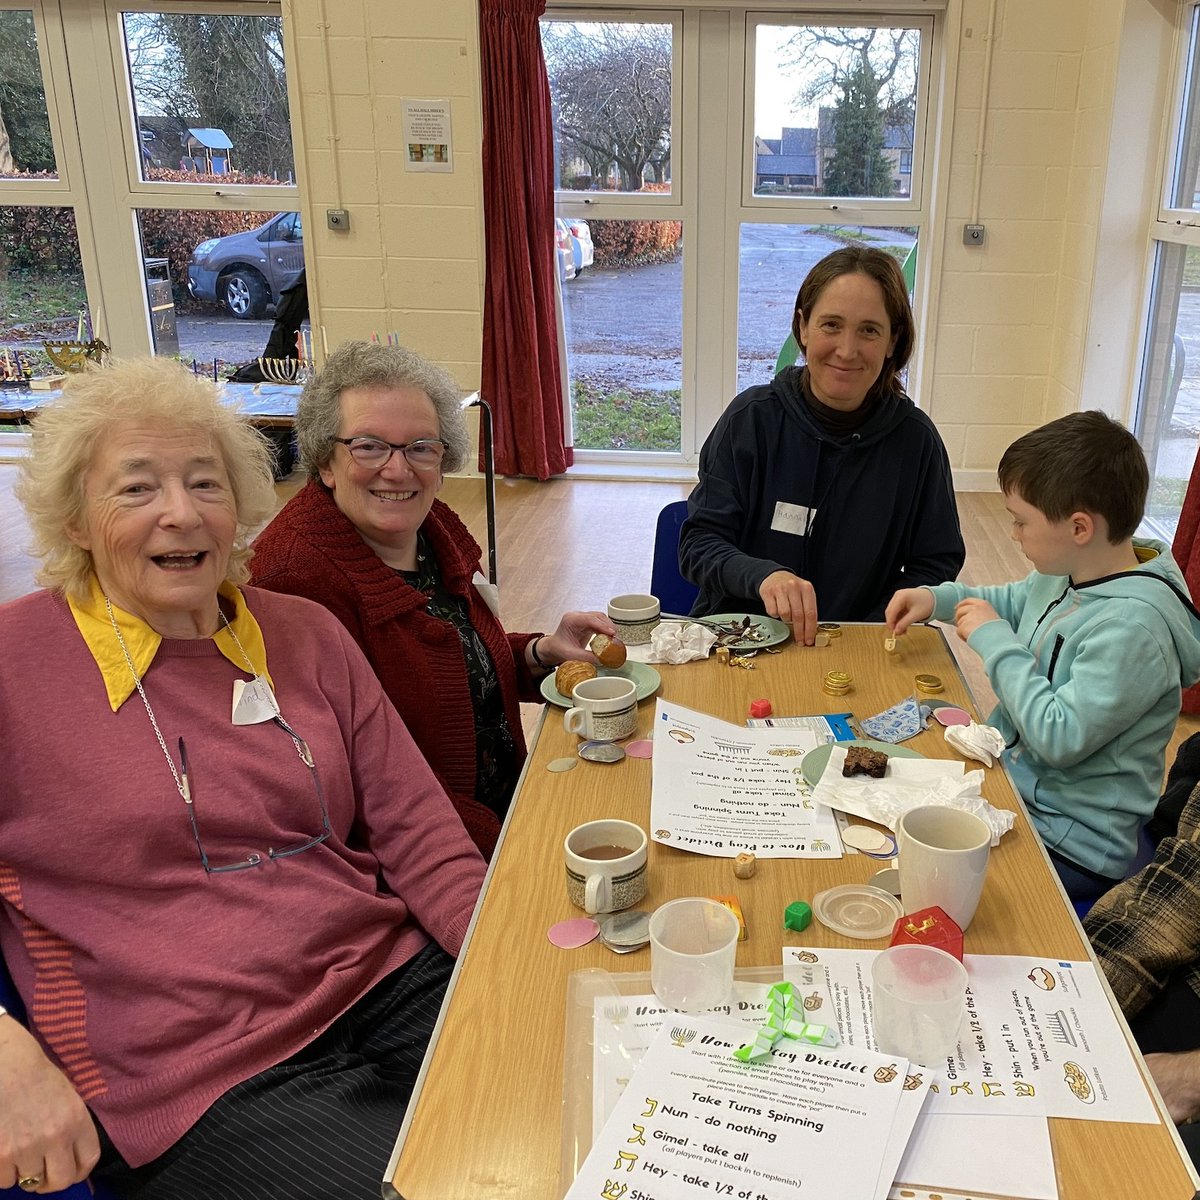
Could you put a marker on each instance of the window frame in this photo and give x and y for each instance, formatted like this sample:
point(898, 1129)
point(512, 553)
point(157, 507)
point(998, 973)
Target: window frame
point(883, 210)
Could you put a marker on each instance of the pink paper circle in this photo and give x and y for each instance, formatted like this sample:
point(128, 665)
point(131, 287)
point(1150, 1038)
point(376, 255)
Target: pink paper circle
point(951, 716)
point(642, 749)
point(569, 935)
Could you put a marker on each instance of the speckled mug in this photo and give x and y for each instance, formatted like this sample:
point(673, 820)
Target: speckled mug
point(604, 885)
point(605, 709)
point(635, 617)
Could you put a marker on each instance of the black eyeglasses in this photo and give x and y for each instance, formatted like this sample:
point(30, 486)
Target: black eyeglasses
point(257, 860)
point(374, 453)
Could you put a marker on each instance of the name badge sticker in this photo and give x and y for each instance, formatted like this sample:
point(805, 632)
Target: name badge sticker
point(253, 701)
point(792, 518)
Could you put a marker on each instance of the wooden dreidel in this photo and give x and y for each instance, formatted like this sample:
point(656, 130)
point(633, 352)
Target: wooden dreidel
point(928, 927)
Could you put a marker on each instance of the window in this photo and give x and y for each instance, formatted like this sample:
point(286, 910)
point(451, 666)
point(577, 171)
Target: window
point(187, 127)
point(1168, 404)
point(787, 137)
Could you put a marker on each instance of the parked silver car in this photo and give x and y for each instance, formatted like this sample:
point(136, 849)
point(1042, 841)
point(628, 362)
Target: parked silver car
point(247, 271)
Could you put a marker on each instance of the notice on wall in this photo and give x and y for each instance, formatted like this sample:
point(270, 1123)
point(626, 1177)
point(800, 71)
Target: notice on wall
point(427, 142)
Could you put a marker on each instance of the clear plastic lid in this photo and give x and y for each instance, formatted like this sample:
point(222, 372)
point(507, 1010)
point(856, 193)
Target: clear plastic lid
point(857, 910)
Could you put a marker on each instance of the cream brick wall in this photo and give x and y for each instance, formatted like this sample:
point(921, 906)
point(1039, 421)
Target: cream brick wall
point(1010, 325)
point(1012, 315)
point(412, 260)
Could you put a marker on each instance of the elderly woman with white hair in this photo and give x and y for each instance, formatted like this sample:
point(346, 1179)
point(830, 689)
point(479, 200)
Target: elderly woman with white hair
point(377, 429)
point(230, 886)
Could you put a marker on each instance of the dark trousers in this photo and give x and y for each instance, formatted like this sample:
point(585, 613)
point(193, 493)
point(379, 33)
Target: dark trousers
point(320, 1125)
point(1170, 1023)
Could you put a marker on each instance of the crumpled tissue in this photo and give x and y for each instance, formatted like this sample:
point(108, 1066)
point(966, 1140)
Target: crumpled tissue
point(908, 783)
point(980, 742)
point(675, 642)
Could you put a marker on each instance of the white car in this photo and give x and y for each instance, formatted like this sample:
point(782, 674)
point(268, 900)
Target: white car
point(582, 251)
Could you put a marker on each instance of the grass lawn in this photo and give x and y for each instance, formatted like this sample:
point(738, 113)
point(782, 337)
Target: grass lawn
point(618, 418)
point(28, 299)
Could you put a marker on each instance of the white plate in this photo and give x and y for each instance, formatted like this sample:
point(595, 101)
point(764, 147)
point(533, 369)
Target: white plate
point(646, 678)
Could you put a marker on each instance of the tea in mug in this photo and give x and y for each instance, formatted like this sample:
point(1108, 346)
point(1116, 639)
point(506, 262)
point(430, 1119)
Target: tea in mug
point(604, 853)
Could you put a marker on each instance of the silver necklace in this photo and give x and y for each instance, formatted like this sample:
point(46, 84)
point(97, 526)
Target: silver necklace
point(182, 783)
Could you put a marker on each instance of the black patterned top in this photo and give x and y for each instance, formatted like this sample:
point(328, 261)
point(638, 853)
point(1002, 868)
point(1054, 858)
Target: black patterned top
point(496, 766)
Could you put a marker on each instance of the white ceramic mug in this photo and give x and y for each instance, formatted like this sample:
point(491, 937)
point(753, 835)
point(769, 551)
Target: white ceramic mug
point(605, 709)
point(635, 617)
point(943, 860)
point(606, 865)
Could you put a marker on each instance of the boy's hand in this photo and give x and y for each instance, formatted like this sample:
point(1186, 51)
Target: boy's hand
point(972, 612)
point(906, 607)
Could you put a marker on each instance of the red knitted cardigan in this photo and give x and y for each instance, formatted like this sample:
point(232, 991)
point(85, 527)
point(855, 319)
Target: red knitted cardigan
point(312, 549)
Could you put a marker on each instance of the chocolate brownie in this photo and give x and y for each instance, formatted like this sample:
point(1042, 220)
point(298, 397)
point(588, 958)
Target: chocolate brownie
point(862, 760)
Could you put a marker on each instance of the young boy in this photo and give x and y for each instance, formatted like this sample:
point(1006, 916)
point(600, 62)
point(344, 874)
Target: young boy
point(1088, 654)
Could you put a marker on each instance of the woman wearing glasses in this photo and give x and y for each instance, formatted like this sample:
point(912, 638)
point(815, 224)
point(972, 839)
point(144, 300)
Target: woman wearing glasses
point(230, 886)
point(367, 538)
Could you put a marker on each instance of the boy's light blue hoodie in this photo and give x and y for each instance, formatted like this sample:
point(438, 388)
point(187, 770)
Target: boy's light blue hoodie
point(1088, 680)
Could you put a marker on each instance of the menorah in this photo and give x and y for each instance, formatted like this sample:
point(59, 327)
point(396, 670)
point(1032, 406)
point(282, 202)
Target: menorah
point(283, 370)
point(75, 356)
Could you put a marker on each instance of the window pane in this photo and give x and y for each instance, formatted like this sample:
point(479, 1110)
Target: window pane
point(26, 147)
point(610, 88)
point(209, 97)
point(626, 376)
point(835, 110)
point(773, 261)
point(1169, 397)
point(214, 279)
point(1185, 186)
point(42, 297)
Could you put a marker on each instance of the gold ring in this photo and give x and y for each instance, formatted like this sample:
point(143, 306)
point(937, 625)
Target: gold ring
point(29, 1183)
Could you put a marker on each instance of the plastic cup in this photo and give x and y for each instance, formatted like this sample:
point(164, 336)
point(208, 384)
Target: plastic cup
point(693, 944)
point(918, 996)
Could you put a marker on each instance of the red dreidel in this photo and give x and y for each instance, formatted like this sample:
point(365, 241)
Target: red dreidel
point(928, 927)
point(760, 709)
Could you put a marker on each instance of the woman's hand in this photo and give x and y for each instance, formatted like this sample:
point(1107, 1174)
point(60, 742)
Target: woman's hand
point(570, 639)
point(46, 1131)
point(972, 612)
point(907, 607)
point(794, 600)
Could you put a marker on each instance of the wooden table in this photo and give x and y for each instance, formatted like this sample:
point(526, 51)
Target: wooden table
point(270, 407)
point(486, 1121)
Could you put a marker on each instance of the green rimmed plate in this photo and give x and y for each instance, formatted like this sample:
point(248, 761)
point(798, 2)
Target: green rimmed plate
point(815, 760)
point(773, 631)
point(644, 676)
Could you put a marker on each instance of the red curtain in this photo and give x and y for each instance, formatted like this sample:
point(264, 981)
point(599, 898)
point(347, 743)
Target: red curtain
point(1186, 551)
point(521, 378)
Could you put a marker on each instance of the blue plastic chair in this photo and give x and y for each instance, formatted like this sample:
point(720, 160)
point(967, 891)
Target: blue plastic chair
point(77, 1191)
point(675, 594)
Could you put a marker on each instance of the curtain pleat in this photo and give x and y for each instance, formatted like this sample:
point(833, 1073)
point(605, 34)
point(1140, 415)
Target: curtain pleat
point(521, 363)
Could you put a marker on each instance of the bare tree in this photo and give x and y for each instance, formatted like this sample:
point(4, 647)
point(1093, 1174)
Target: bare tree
point(830, 58)
point(611, 85)
point(7, 166)
point(223, 70)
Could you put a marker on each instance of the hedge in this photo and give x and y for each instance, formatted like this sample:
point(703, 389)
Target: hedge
point(620, 243)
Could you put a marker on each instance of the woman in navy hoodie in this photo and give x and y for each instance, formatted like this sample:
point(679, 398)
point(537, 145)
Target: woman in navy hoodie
point(827, 489)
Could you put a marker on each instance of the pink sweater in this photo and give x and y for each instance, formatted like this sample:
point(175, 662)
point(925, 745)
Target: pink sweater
point(155, 986)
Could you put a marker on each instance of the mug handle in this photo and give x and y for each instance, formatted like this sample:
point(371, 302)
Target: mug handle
point(574, 720)
point(597, 896)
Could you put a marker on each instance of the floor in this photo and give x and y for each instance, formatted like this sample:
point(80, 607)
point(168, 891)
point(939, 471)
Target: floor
point(571, 544)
